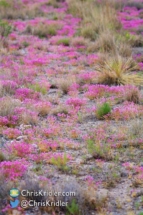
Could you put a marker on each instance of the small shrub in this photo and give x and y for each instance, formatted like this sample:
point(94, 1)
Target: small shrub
point(135, 129)
point(102, 110)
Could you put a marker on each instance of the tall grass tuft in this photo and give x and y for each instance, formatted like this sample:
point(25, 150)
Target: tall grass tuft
point(118, 70)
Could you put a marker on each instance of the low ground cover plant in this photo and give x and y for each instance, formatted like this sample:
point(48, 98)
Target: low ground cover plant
point(71, 104)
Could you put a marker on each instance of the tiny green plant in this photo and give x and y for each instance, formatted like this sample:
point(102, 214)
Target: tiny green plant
point(2, 157)
point(52, 31)
point(90, 146)
point(73, 208)
point(64, 41)
point(137, 205)
point(60, 162)
point(141, 213)
point(25, 44)
point(5, 29)
point(103, 110)
point(36, 87)
point(98, 150)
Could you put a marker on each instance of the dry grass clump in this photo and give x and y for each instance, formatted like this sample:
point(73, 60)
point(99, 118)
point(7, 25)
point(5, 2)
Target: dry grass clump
point(133, 95)
point(135, 129)
point(96, 17)
point(7, 106)
point(133, 39)
point(43, 30)
point(94, 199)
point(27, 118)
point(60, 109)
point(88, 32)
point(33, 11)
point(43, 111)
point(107, 43)
point(8, 9)
point(117, 70)
point(124, 49)
point(79, 41)
point(101, 25)
point(64, 84)
point(6, 90)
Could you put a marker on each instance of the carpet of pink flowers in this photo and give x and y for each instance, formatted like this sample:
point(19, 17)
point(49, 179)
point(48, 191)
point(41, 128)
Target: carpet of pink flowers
point(48, 130)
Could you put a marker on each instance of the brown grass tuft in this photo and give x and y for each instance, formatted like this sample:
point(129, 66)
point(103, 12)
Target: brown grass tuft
point(64, 84)
point(59, 109)
point(43, 30)
point(133, 95)
point(95, 17)
point(28, 119)
point(107, 43)
point(8, 11)
point(7, 106)
point(117, 70)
